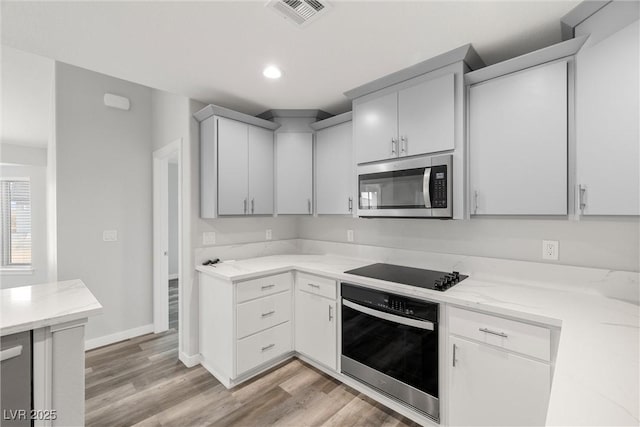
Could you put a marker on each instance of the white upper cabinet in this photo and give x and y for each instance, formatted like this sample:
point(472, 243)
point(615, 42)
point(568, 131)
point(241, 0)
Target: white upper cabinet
point(414, 120)
point(426, 117)
point(607, 135)
point(233, 172)
point(376, 128)
point(260, 171)
point(518, 143)
point(294, 172)
point(245, 169)
point(334, 170)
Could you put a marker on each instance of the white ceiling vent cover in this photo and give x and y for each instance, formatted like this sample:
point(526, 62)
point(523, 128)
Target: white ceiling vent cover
point(299, 12)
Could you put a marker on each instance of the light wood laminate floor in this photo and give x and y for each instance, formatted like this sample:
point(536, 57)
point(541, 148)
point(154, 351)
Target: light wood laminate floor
point(141, 382)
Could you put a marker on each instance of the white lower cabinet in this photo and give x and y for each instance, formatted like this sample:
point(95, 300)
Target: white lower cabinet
point(315, 319)
point(257, 349)
point(489, 383)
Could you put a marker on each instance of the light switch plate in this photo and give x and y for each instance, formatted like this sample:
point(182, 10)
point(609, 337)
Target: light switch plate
point(268, 235)
point(550, 249)
point(349, 235)
point(110, 235)
point(209, 238)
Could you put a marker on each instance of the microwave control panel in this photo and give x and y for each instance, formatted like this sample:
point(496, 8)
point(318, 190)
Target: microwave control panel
point(438, 186)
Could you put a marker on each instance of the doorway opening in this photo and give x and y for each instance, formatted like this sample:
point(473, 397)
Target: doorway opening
point(167, 238)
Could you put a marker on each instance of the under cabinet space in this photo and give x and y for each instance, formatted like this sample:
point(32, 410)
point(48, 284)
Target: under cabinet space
point(518, 143)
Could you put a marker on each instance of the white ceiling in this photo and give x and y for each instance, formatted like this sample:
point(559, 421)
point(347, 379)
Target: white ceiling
point(27, 85)
point(215, 51)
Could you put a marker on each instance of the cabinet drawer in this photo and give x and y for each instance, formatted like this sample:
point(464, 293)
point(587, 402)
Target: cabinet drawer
point(262, 347)
point(263, 313)
point(263, 286)
point(511, 335)
point(316, 285)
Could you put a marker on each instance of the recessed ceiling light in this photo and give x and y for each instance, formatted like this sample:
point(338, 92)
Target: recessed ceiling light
point(272, 72)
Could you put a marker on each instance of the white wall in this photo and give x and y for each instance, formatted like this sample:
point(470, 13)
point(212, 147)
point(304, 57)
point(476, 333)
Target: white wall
point(104, 173)
point(599, 243)
point(37, 176)
point(173, 219)
point(23, 155)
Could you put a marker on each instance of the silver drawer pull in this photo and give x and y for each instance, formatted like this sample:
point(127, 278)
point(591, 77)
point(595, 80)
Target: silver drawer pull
point(313, 285)
point(268, 313)
point(269, 347)
point(489, 331)
point(265, 287)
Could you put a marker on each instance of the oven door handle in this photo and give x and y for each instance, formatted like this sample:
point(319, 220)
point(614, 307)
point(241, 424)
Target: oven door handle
point(422, 324)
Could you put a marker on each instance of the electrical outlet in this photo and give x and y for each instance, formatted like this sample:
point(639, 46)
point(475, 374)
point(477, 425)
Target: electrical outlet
point(209, 238)
point(349, 235)
point(268, 235)
point(550, 249)
point(110, 235)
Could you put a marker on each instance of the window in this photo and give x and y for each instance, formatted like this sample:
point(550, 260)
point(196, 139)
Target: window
point(15, 217)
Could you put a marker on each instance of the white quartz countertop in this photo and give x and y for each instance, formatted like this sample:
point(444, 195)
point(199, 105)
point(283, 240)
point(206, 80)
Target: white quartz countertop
point(32, 307)
point(597, 367)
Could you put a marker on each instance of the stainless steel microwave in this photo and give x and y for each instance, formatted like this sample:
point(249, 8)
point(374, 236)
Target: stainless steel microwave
point(418, 187)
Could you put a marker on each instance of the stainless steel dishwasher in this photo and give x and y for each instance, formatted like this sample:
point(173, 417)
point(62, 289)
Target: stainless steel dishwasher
point(16, 388)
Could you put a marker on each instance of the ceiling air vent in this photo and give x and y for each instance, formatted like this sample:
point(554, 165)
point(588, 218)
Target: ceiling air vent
point(299, 12)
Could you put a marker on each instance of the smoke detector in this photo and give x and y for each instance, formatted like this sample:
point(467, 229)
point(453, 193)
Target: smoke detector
point(299, 12)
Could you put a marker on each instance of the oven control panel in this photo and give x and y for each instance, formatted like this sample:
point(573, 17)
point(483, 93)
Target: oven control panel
point(391, 303)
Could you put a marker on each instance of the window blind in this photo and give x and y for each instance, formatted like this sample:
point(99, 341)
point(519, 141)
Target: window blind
point(15, 211)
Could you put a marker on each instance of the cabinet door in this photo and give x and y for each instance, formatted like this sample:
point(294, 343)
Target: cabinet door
point(294, 172)
point(426, 117)
point(334, 170)
point(607, 124)
point(233, 175)
point(315, 328)
point(491, 387)
point(518, 143)
point(260, 171)
point(375, 126)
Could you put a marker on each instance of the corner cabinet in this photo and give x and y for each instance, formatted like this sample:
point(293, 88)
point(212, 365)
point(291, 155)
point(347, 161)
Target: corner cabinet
point(316, 319)
point(246, 326)
point(607, 124)
point(405, 121)
point(294, 173)
point(518, 143)
point(500, 371)
point(236, 163)
point(334, 167)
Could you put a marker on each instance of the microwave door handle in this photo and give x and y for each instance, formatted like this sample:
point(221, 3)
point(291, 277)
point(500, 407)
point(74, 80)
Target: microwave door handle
point(425, 187)
point(422, 324)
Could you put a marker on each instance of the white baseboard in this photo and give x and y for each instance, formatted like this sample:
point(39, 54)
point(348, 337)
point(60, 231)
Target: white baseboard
point(189, 361)
point(118, 336)
point(174, 276)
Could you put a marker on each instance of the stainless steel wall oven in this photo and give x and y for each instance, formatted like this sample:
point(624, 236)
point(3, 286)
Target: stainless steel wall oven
point(390, 342)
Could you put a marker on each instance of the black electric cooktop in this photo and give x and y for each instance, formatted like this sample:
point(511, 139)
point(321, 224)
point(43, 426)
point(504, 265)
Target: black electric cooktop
point(429, 279)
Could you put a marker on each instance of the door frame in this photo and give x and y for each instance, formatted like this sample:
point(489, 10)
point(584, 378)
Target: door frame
point(161, 159)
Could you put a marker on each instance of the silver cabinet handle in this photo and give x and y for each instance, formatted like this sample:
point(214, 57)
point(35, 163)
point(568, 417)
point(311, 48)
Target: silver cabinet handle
point(350, 204)
point(582, 190)
point(454, 355)
point(269, 347)
point(330, 313)
point(489, 331)
point(265, 287)
point(425, 187)
point(268, 313)
point(309, 205)
point(475, 202)
point(403, 145)
point(10, 353)
point(394, 143)
point(313, 285)
point(245, 206)
point(253, 203)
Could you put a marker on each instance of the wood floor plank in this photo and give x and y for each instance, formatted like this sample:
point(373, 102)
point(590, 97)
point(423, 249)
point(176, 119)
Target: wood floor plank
point(141, 382)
